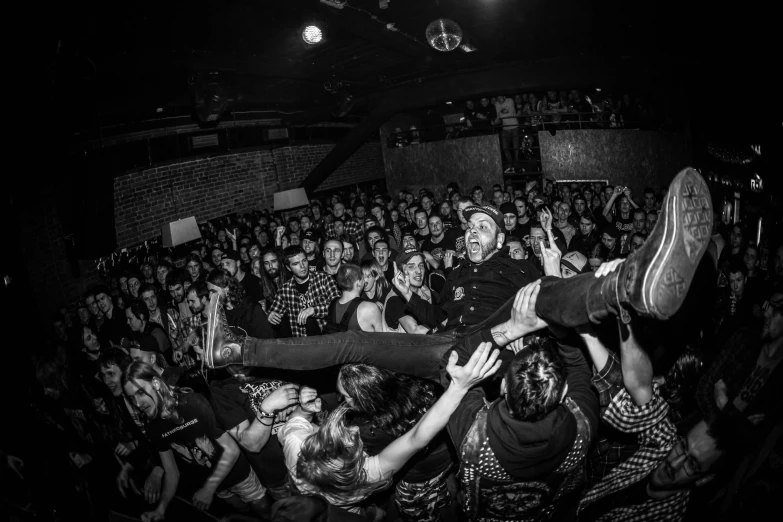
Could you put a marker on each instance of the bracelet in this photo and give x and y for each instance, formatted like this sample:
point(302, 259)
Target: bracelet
point(261, 414)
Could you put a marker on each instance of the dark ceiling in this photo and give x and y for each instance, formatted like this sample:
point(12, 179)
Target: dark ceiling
point(111, 63)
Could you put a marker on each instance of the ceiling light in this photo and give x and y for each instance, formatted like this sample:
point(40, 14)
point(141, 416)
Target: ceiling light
point(443, 34)
point(312, 34)
point(467, 47)
point(598, 89)
point(448, 103)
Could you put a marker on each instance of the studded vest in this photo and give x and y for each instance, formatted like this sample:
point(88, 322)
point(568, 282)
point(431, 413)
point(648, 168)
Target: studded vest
point(492, 495)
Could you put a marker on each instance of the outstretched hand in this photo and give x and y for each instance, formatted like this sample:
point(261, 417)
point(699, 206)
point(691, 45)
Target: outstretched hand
point(524, 319)
point(608, 267)
point(482, 364)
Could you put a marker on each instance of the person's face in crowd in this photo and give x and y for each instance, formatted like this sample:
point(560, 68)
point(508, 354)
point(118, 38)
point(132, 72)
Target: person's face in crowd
point(194, 269)
point(751, 257)
point(90, 342)
point(177, 292)
point(421, 220)
point(408, 242)
point(409, 199)
point(497, 198)
point(515, 250)
point(134, 323)
point(305, 223)
point(161, 274)
point(649, 199)
point(469, 104)
point(735, 237)
point(339, 228)
point(333, 253)
point(334, 199)
point(564, 210)
point(455, 196)
point(608, 191)
point(521, 207)
point(586, 226)
point(254, 252)
point(112, 378)
point(293, 226)
point(639, 222)
point(436, 226)
point(124, 285)
point(395, 215)
point(426, 203)
point(372, 238)
point(501, 99)
point(140, 355)
point(588, 194)
point(625, 205)
point(133, 286)
point(478, 196)
point(230, 266)
point(92, 305)
point(552, 95)
point(360, 212)
point(255, 267)
point(293, 239)
point(537, 238)
point(608, 241)
point(308, 246)
point(221, 235)
point(461, 212)
point(316, 212)
point(482, 238)
point(688, 463)
point(565, 191)
point(414, 269)
point(370, 283)
point(299, 266)
point(652, 219)
point(271, 265)
point(772, 329)
point(338, 210)
point(636, 243)
point(348, 252)
point(402, 206)
point(257, 230)
point(150, 299)
point(596, 204)
point(548, 189)
point(594, 263)
point(243, 254)
point(377, 213)
point(263, 238)
point(104, 302)
point(216, 255)
point(146, 271)
point(194, 303)
point(84, 315)
point(484, 102)
point(445, 209)
point(510, 221)
point(381, 253)
point(737, 282)
point(144, 396)
point(215, 289)
point(579, 206)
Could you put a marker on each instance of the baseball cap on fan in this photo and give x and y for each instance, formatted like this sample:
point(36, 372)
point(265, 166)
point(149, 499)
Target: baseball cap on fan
point(493, 213)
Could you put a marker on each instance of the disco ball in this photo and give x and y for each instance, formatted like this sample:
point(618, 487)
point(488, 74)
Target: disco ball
point(444, 34)
point(312, 34)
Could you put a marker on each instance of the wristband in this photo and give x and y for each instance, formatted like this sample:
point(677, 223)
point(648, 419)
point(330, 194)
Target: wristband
point(261, 414)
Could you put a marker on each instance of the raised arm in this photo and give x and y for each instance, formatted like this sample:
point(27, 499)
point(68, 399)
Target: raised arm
point(636, 367)
point(609, 204)
point(481, 365)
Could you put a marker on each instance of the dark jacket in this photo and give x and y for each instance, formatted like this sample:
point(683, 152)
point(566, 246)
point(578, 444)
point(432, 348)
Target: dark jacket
point(250, 317)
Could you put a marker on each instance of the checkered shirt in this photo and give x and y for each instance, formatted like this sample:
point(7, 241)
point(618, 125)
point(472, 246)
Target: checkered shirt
point(656, 435)
point(352, 228)
point(320, 293)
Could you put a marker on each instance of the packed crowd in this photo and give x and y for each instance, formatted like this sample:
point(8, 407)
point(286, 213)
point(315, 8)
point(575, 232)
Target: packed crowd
point(518, 119)
point(562, 352)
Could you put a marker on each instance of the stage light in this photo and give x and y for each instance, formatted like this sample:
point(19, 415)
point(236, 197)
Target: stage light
point(312, 34)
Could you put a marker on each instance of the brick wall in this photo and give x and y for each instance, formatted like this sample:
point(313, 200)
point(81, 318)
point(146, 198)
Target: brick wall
point(212, 187)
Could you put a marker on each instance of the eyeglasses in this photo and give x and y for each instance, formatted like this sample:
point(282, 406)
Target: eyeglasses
point(690, 465)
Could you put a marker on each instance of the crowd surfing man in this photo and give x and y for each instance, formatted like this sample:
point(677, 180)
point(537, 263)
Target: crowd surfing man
point(504, 472)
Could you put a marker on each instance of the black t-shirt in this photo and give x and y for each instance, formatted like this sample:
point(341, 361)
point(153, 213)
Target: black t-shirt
point(302, 287)
point(234, 402)
point(250, 317)
point(436, 249)
point(252, 286)
point(420, 238)
point(455, 239)
point(394, 310)
point(193, 439)
point(625, 226)
point(489, 112)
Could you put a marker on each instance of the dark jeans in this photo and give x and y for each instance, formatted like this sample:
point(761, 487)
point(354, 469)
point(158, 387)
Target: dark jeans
point(561, 302)
point(510, 138)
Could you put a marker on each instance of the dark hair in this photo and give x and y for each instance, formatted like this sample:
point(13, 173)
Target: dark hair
point(114, 357)
point(177, 277)
point(138, 309)
point(534, 382)
point(347, 275)
point(164, 264)
point(589, 216)
point(193, 257)
point(378, 230)
point(292, 251)
point(148, 287)
point(386, 400)
point(649, 190)
point(235, 292)
point(738, 266)
point(101, 289)
point(681, 382)
point(599, 251)
point(200, 289)
point(169, 395)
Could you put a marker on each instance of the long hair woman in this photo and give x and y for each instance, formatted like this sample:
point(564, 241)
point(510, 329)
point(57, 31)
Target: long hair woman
point(332, 461)
point(385, 405)
point(375, 284)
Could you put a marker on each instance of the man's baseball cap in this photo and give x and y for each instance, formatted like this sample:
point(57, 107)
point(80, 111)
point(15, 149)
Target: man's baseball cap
point(576, 262)
point(312, 235)
point(508, 208)
point(406, 256)
point(231, 254)
point(492, 212)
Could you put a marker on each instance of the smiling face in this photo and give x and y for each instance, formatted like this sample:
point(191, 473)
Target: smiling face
point(482, 238)
point(144, 396)
point(414, 269)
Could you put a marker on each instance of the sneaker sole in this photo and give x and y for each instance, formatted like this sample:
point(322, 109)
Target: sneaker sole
point(687, 226)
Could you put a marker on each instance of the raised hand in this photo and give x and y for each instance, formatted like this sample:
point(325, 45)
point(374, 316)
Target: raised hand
point(309, 400)
point(403, 285)
point(280, 399)
point(551, 260)
point(482, 364)
point(608, 267)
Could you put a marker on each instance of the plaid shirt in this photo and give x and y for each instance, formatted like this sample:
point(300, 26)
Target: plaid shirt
point(352, 228)
point(320, 293)
point(656, 435)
